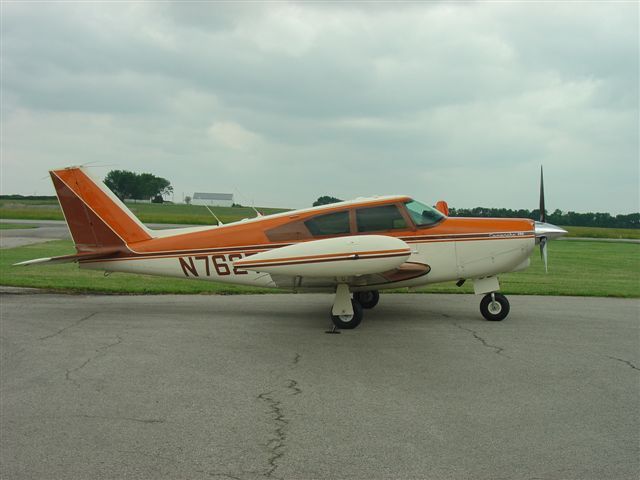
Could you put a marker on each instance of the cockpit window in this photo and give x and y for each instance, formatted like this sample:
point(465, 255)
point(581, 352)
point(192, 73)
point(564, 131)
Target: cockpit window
point(330, 224)
point(423, 215)
point(385, 217)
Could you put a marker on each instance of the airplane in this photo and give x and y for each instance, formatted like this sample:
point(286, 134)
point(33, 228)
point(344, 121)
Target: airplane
point(353, 249)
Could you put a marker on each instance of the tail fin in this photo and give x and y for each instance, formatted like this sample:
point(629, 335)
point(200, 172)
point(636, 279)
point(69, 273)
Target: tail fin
point(97, 219)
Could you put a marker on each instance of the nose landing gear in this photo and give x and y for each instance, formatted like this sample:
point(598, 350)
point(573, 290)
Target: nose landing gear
point(348, 321)
point(346, 312)
point(494, 307)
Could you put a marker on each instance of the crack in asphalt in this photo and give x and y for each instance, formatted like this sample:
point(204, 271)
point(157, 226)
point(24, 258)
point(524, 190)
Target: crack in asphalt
point(293, 385)
point(624, 361)
point(276, 444)
point(497, 349)
point(101, 351)
point(74, 324)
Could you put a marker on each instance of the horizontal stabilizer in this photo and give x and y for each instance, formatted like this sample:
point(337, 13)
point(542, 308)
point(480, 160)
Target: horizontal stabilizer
point(70, 258)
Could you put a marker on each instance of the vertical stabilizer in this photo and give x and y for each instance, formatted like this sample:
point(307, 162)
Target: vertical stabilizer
point(97, 219)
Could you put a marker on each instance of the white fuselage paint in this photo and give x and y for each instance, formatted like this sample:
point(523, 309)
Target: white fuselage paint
point(449, 260)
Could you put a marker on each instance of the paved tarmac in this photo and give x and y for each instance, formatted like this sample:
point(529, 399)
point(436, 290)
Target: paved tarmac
point(246, 387)
point(45, 231)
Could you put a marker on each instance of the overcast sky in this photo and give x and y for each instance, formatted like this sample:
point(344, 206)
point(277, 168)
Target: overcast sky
point(280, 103)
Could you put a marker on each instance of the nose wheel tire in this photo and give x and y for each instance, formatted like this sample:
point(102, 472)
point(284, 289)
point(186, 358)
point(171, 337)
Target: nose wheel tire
point(367, 299)
point(494, 307)
point(347, 322)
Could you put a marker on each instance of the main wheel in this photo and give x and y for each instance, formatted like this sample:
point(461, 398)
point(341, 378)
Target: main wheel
point(367, 299)
point(494, 308)
point(349, 321)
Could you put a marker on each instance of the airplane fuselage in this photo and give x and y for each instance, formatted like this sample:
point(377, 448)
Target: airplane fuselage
point(457, 248)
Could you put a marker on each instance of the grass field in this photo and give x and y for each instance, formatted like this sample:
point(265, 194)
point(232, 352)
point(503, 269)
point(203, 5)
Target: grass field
point(198, 215)
point(575, 268)
point(595, 232)
point(146, 212)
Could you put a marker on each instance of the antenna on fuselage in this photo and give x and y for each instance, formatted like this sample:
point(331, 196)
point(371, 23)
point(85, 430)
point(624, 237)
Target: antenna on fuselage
point(256, 210)
point(214, 215)
point(243, 198)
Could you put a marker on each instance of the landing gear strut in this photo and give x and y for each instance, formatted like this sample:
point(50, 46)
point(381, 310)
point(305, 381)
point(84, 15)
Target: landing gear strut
point(367, 299)
point(494, 307)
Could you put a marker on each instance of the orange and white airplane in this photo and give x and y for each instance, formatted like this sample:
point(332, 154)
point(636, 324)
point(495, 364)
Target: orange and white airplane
point(353, 248)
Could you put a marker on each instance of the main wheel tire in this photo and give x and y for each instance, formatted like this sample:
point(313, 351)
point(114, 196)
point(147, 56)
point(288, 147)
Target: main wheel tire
point(367, 299)
point(494, 309)
point(347, 322)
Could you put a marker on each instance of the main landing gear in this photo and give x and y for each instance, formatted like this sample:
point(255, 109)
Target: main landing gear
point(347, 313)
point(367, 299)
point(494, 307)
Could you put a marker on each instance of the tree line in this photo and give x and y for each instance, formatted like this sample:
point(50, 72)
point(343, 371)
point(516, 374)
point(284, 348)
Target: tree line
point(558, 217)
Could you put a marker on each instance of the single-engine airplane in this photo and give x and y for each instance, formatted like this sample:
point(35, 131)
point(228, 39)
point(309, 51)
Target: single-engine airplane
point(353, 248)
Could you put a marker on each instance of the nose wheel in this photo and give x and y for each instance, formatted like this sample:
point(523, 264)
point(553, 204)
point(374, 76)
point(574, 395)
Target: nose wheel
point(348, 321)
point(494, 307)
point(346, 312)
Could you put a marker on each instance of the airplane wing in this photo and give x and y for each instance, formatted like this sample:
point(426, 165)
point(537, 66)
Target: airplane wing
point(360, 260)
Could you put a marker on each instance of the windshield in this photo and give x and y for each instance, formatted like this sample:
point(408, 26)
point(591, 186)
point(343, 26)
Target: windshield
point(423, 214)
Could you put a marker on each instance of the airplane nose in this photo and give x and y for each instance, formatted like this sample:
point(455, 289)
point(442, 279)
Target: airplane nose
point(548, 231)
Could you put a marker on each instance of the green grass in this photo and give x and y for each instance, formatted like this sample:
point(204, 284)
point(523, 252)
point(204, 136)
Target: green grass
point(15, 226)
point(575, 268)
point(597, 232)
point(593, 269)
point(146, 212)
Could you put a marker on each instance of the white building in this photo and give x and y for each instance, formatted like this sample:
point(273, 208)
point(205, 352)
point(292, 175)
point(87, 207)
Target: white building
point(213, 199)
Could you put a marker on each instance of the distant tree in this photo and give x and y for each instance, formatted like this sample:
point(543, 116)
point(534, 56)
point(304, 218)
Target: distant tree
point(187, 200)
point(325, 200)
point(143, 186)
point(122, 183)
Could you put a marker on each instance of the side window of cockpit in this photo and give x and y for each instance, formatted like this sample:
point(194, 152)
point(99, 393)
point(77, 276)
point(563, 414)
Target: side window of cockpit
point(330, 224)
point(385, 217)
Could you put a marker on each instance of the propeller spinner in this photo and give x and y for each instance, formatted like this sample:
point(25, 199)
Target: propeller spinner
point(545, 231)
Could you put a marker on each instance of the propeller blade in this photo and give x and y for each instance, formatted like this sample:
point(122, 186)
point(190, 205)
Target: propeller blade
point(543, 253)
point(543, 213)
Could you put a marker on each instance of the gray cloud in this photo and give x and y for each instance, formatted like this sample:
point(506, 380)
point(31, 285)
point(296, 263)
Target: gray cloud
point(288, 101)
